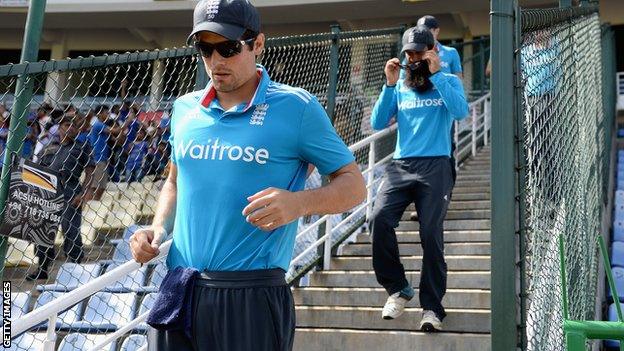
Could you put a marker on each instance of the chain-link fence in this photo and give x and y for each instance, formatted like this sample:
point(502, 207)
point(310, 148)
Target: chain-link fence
point(563, 131)
point(103, 122)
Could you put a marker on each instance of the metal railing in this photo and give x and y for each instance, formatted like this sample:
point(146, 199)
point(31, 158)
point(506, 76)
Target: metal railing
point(620, 90)
point(473, 134)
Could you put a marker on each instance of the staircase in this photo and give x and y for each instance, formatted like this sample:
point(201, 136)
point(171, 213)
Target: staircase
point(341, 308)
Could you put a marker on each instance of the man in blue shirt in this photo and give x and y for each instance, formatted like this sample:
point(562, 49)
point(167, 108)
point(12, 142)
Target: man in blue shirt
point(425, 103)
point(241, 150)
point(450, 62)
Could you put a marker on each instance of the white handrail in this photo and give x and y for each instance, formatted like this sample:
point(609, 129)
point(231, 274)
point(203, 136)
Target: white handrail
point(480, 113)
point(73, 297)
point(123, 330)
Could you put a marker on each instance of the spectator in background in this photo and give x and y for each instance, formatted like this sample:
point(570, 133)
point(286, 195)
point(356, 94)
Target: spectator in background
point(98, 139)
point(137, 151)
point(157, 159)
point(30, 140)
point(420, 173)
point(4, 133)
point(70, 158)
point(114, 112)
point(449, 57)
point(43, 117)
point(4, 112)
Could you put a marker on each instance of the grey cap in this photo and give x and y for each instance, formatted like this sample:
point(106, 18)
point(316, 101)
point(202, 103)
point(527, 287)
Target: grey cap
point(418, 38)
point(229, 18)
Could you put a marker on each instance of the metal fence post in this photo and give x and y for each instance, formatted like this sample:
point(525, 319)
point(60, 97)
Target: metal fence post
point(23, 94)
point(334, 61)
point(332, 88)
point(503, 265)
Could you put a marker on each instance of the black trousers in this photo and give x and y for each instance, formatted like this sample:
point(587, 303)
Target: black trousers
point(426, 182)
point(71, 219)
point(236, 311)
point(453, 160)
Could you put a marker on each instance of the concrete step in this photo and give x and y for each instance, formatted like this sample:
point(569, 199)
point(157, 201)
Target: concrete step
point(474, 169)
point(467, 177)
point(453, 214)
point(461, 183)
point(473, 173)
point(457, 205)
point(471, 197)
point(313, 339)
point(414, 263)
point(457, 320)
point(453, 224)
point(450, 236)
point(366, 279)
point(408, 249)
point(376, 297)
point(471, 190)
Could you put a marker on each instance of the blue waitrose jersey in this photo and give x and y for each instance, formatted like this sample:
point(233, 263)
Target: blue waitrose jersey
point(424, 119)
point(223, 157)
point(449, 59)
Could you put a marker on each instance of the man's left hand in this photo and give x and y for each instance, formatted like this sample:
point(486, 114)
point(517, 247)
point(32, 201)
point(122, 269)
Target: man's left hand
point(433, 60)
point(272, 208)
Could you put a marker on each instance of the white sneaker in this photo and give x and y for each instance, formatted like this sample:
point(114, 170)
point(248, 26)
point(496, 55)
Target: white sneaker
point(430, 322)
point(394, 307)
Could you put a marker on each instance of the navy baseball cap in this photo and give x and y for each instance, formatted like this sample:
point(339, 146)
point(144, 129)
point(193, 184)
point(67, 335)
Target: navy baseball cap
point(418, 38)
point(428, 21)
point(229, 18)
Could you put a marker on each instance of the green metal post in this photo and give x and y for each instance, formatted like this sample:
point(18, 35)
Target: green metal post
point(503, 265)
point(23, 94)
point(334, 61)
point(332, 89)
point(575, 341)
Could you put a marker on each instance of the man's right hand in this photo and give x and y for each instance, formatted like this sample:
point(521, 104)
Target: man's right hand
point(392, 71)
point(144, 243)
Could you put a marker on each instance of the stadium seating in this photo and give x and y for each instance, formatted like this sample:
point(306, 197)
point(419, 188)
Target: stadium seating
point(133, 281)
point(65, 319)
point(72, 275)
point(107, 312)
point(20, 304)
point(81, 342)
point(160, 270)
point(134, 342)
point(618, 277)
point(617, 253)
point(28, 342)
point(146, 305)
point(612, 314)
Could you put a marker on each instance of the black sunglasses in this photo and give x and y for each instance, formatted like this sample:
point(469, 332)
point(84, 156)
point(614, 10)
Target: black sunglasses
point(226, 48)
